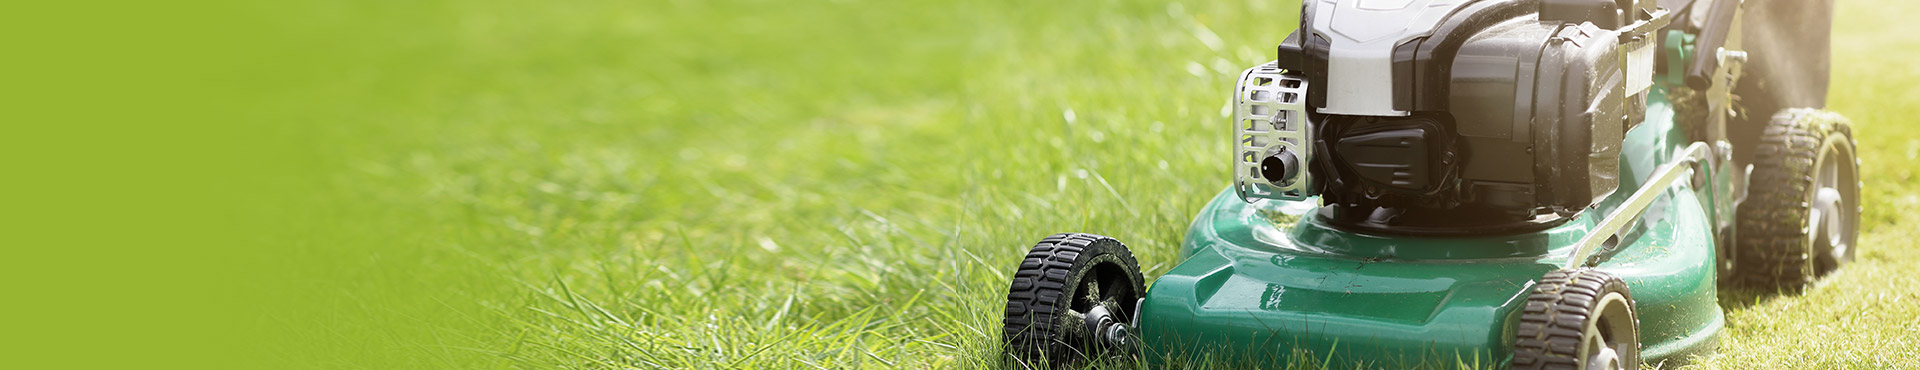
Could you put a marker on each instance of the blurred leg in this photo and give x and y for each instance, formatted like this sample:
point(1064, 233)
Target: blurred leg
point(1787, 66)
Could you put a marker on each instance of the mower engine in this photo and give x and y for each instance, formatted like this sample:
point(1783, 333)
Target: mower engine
point(1405, 115)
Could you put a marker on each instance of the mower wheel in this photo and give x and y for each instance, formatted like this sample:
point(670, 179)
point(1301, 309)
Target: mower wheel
point(1072, 300)
point(1802, 216)
point(1578, 319)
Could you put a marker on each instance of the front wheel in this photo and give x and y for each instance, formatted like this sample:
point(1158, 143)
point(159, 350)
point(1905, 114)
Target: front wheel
point(1072, 300)
point(1578, 319)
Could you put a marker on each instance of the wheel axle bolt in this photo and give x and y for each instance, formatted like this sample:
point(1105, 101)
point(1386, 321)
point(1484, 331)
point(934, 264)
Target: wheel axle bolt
point(1117, 335)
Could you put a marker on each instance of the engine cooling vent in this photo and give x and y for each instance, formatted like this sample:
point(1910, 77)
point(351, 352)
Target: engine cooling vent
point(1269, 118)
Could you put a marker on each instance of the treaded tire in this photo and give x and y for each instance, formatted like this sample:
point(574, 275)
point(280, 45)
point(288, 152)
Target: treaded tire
point(1561, 312)
point(1041, 327)
point(1776, 238)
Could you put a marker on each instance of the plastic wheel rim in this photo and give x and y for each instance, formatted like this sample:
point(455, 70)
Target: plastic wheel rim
point(1830, 224)
point(1608, 335)
point(1097, 298)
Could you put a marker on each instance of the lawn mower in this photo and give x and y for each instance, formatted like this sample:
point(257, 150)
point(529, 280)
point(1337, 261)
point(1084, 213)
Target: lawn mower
point(1536, 184)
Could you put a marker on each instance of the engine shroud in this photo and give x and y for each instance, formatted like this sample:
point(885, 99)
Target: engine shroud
point(1501, 113)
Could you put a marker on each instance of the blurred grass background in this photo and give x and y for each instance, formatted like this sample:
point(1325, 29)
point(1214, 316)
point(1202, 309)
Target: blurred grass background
point(689, 184)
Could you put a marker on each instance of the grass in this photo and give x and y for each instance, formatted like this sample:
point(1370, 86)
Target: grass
point(838, 184)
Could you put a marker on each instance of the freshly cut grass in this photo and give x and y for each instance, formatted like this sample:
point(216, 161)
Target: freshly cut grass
point(766, 184)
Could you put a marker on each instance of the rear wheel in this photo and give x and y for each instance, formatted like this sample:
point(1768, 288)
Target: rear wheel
point(1072, 300)
point(1802, 217)
point(1578, 319)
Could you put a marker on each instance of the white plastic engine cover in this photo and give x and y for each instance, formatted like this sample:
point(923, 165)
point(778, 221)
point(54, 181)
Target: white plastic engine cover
point(1361, 35)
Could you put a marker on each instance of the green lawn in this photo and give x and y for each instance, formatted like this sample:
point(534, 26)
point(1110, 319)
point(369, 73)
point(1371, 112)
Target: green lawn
point(773, 184)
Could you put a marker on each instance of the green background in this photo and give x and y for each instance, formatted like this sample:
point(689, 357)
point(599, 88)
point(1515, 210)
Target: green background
point(680, 184)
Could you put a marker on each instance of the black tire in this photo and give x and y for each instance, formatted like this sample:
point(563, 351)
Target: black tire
point(1062, 280)
point(1570, 316)
point(1801, 216)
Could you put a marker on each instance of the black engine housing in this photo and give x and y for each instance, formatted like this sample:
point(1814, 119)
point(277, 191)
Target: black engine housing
point(1517, 118)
